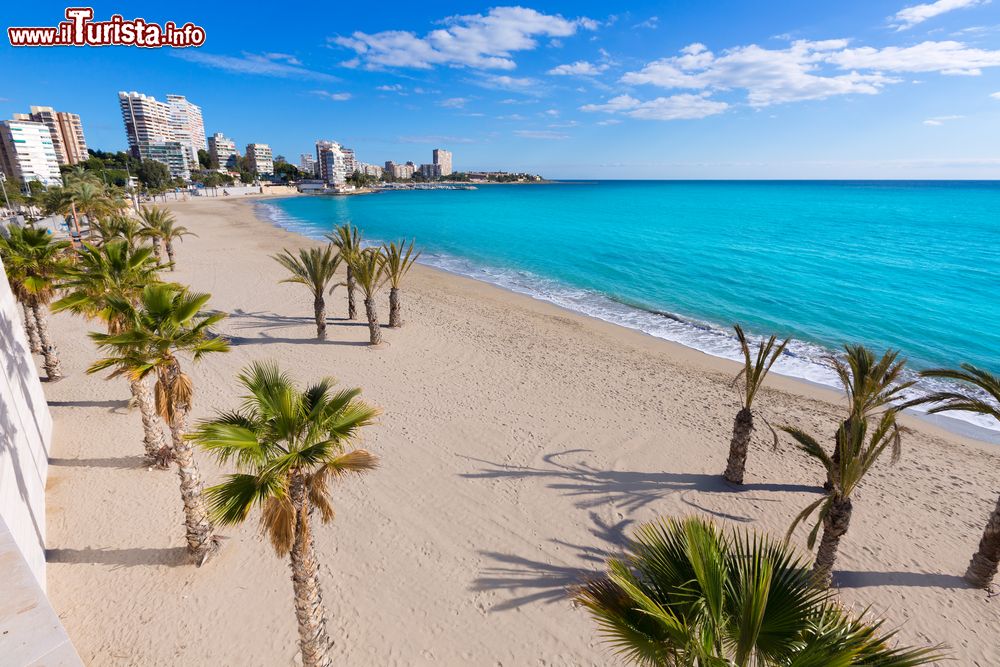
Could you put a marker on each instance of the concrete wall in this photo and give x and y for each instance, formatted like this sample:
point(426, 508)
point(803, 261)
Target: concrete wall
point(25, 438)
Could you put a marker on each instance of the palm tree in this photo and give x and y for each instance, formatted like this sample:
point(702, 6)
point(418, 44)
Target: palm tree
point(90, 199)
point(160, 225)
point(983, 566)
point(151, 218)
point(167, 322)
point(288, 445)
point(34, 262)
point(314, 268)
point(752, 375)
point(117, 270)
point(398, 261)
point(687, 594)
point(369, 272)
point(872, 388)
point(119, 226)
point(347, 239)
point(861, 444)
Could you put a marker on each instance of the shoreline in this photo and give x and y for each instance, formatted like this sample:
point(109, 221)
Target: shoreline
point(952, 425)
point(520, 445)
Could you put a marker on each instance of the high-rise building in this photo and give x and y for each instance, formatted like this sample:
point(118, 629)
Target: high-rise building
point(27, 153)
point(223, 151)
point(350, 164)
point(370, 169)
point(330, 162)
point(400, 170)
point(153, 126)
point(307, 163)
point(260, 159)
point(186, 126)
point(65, 129)
point(430, 171)
point(147, 121)
point(174, 154)
point(442, 158)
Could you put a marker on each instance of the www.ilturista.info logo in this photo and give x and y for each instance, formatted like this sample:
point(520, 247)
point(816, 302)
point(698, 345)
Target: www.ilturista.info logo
point(79, 29)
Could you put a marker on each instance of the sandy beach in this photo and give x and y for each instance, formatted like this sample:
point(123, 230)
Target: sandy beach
point(520, 443)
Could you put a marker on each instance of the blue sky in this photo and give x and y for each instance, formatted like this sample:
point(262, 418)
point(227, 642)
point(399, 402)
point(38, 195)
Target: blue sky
point(694, 89)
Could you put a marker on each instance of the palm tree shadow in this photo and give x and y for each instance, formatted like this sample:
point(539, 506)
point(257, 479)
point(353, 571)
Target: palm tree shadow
point(270, 340)
point(123, 463)
point(630, 490)
point(271, 321)
point(113, 406)
point(135, 557)
point(863, 579)
point(533, 581)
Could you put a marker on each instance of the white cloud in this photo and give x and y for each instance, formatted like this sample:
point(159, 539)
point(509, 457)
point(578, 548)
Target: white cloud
point(911, 16)
point(394, 88)
point(476, 40)
point(995, 95)
point(676, 107)
point(336, 97)
point(454, 102)
point(579, 68)
point(941, 120)
point(807, 70)
point(653, 22)
point(945, 57)
point(521, 84)
point(609, 121)
point(552, 112)
point(269, 64)
point(291, 60)
point(541, 134)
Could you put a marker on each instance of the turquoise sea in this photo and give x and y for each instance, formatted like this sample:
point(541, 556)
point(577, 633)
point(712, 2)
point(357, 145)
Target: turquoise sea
point(908, 265)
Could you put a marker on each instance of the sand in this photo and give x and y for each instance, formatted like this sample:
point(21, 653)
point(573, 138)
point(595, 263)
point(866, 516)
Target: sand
point(519, 442)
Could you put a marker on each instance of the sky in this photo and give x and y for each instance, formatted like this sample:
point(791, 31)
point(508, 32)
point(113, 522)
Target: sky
point(643, 90)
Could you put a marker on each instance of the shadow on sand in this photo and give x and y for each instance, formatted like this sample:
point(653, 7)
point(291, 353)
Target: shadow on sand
point(629, 490)
point(122, 463)
point(530, 580)
point(170, 556)
point(860, 579)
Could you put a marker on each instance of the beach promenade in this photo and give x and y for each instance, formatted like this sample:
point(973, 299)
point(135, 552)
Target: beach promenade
point(519, 444)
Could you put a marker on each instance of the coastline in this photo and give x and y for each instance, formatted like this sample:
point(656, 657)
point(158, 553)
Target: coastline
point(958, 425)
point(520, 443)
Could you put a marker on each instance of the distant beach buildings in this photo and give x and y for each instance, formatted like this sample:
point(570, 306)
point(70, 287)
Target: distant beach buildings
point(170, 132)
point(259, 159)
point(33, 145)
point(222, 151)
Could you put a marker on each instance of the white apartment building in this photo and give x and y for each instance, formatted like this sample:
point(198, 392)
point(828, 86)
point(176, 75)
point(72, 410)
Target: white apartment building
point(331, 165)
point(66, 131)
point(430, 171)
point(370, 169)
point(442, 159)
point(186, 126)
point(153, 126)
point(260, 158)
point(27, 153)
point(307, 164)
point(223, 150)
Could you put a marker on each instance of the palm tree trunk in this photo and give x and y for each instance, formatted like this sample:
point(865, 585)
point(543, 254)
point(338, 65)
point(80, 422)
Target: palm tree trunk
point(158, 452)
point(53, 371)
point(157, 251)
point(835, 525)
point(31, 330)
point(170, 252)
point(201, 539)
point(395, 309)
point(309, 612)
point(319, 308)
point(352, 307)
point(983, 566)
point(839, 440)
point(739, 445)
point(374, 332)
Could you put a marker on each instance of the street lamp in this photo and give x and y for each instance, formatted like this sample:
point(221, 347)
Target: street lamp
point(3, 179)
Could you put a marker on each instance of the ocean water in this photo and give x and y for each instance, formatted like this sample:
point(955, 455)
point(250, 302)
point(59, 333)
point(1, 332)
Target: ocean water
point(913, 266)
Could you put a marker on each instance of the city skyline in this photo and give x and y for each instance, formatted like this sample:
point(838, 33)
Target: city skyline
point(665, 90)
